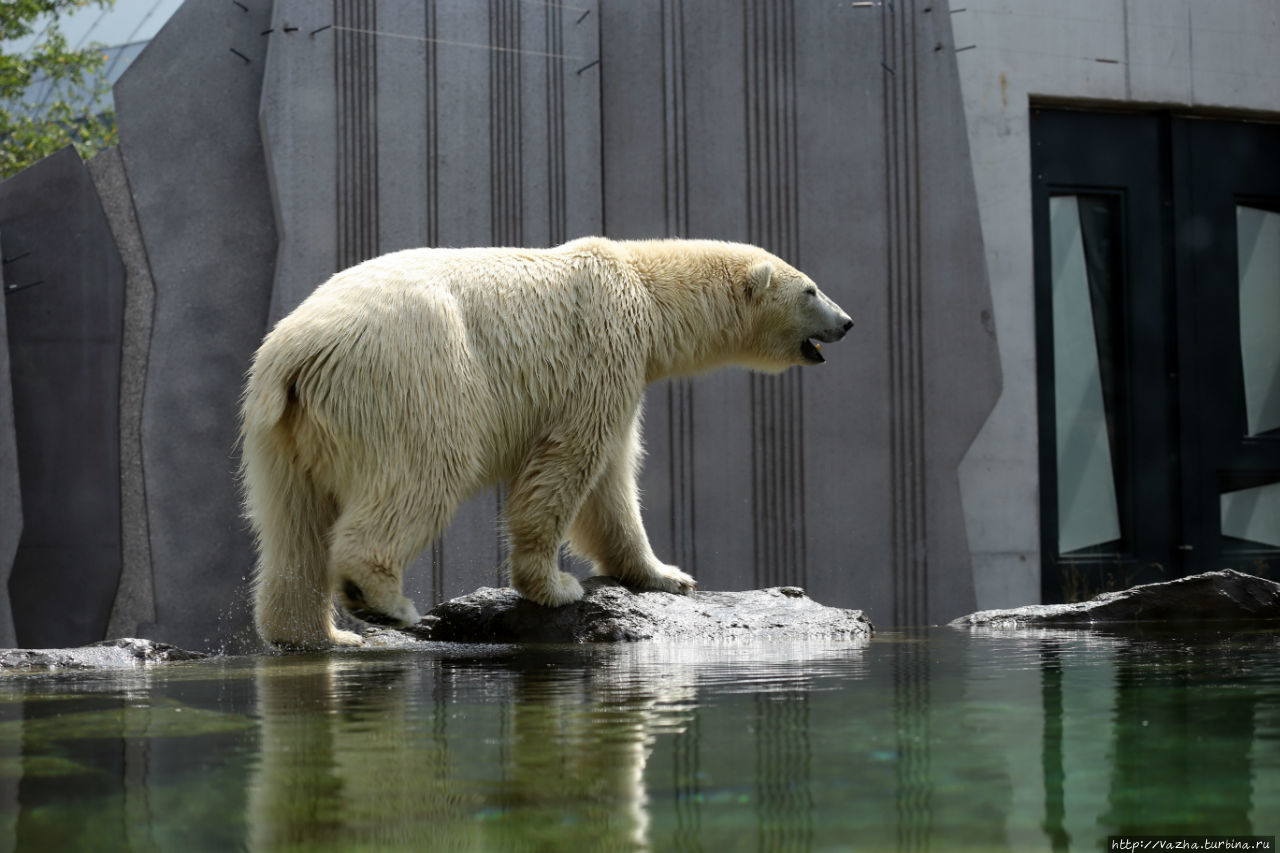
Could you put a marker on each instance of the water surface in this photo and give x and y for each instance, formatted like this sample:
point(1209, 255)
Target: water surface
point(931, 740)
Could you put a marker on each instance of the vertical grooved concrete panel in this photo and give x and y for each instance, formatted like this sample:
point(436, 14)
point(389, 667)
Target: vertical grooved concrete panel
point(64, 300)
point(453, 123)
point(832, 135)
point(840, 167)
point(10, 489)
point(187, 111)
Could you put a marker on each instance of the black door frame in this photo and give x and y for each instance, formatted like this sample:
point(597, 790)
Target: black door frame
point(1182, 418)
point(1218, 165)
point(1126, 157)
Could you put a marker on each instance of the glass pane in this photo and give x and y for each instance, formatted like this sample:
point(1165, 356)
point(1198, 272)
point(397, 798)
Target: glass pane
point(1253, 514)
point(1088, 512)
point(1258, 253)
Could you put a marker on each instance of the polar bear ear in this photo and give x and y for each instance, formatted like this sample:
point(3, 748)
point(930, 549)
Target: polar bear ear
point(758, 278)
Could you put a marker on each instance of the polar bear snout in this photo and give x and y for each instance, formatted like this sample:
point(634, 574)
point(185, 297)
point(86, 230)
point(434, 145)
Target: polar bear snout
point(830, 324)
point(827, 318)
point(836, 332)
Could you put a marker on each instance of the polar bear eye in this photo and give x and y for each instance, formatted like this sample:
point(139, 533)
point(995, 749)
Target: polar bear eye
point(811, 291)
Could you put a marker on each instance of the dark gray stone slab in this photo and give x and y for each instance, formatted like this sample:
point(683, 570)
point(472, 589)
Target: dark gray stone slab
point(610, 613)
point(64, 304)
point(10, 492)
point(1219, 596)
point(125, 653)
point(187, 111)
point(135, 595)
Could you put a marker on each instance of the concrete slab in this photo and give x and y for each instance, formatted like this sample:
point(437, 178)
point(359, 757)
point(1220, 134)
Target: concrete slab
point(296, 113)
point(393, 124)
point(10, 493)
point(692, 148)
point(135, 596)
point(962, 375)
point(64, 303)
point(847, 157)
point(187, 111)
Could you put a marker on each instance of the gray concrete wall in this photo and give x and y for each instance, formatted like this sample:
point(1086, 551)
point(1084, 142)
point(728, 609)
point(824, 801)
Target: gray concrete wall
point(736, 123)
point(1178, 53)
point(389, 125)
point(266, 145)
point(64, 306)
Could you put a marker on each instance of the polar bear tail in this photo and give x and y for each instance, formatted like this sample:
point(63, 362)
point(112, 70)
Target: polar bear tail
point(289, 514)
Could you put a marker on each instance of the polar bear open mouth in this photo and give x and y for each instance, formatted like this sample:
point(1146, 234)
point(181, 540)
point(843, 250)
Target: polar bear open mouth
point(811, 351)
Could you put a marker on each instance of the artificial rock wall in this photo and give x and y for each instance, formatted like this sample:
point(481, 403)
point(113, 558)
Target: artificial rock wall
point(266, 145)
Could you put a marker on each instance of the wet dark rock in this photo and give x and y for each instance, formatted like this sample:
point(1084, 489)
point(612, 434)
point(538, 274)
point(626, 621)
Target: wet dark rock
point(109, 654)
point(611, 613)
point(1225, 595)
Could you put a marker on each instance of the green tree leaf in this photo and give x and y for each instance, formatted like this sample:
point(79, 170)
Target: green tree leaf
point(70, 82)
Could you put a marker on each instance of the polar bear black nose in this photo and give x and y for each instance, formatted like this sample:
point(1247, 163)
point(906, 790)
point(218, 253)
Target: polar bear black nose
point(848, 324)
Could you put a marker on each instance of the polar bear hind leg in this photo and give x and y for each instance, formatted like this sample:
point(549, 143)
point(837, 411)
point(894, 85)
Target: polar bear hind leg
point(371, 548)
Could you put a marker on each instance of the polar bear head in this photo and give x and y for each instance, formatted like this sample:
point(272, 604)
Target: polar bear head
point(788, 317)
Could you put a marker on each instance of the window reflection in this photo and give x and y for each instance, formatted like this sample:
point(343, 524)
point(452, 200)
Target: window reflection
point(1183, 740)
point(1258, 255)
point(1082, 252)
point(1252, 515)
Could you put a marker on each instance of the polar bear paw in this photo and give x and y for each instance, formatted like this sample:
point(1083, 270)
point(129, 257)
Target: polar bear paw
point(317, 639)
point(389, 609)
point(666, 578)
point(654, 576)
point(553, 590)
point(339, 637)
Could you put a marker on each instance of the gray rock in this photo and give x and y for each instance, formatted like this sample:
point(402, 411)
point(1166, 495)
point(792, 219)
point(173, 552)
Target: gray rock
point(109, 654)
point(1225, 595)
point(610, 613)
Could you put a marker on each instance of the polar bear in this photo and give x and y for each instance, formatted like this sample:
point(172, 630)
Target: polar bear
point(409, 382)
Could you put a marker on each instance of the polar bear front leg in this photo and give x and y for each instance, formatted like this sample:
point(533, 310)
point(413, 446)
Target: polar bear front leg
point(609, 531)
point(543, 496)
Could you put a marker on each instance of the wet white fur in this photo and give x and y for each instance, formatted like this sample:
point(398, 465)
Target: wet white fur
point(404, 385)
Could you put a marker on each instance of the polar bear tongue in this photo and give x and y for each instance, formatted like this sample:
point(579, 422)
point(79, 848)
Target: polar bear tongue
point(812, 351)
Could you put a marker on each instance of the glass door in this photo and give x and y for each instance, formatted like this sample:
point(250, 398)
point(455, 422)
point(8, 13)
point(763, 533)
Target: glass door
point(1107, 390)
point(1158, 347)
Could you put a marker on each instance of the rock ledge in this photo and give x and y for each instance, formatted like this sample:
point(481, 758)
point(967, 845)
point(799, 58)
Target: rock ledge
point(124, 653)
point(610, 613)
point(1225, 595)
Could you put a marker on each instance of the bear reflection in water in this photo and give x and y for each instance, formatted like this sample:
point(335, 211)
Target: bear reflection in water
point(537, 747)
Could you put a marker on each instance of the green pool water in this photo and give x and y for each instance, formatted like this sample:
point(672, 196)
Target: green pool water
point(929, 740)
